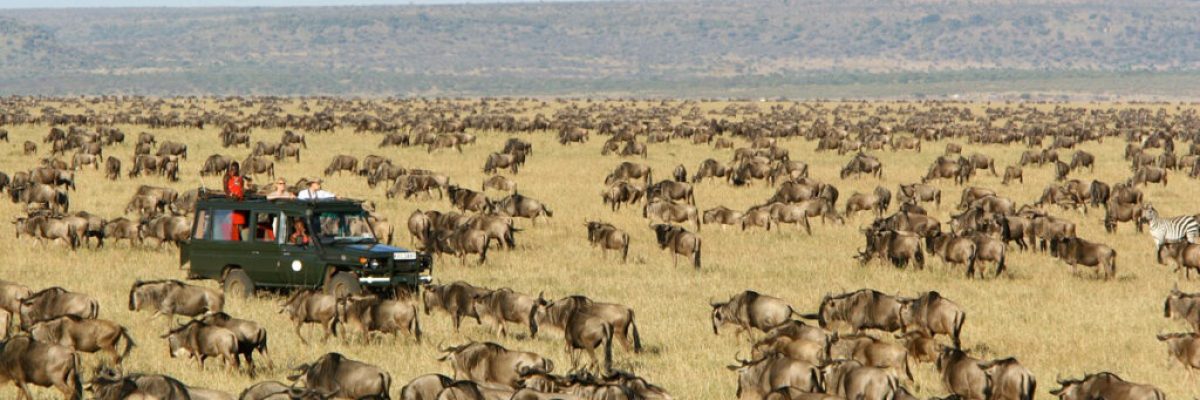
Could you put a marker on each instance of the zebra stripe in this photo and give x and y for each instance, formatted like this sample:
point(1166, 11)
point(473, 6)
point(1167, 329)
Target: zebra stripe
point(1166, 230)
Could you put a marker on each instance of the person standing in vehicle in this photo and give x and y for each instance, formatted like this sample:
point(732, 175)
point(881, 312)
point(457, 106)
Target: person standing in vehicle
point(235, 188)
point(314, 192)
point(235, 183)
point(281, 191)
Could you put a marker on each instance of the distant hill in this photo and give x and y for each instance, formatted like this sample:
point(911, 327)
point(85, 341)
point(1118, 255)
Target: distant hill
point(707, 48)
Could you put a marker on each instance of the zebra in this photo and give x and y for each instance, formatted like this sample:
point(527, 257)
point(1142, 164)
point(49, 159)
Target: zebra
point(1169, 230)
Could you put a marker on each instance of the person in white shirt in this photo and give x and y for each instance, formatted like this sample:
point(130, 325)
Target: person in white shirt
point(314, 192)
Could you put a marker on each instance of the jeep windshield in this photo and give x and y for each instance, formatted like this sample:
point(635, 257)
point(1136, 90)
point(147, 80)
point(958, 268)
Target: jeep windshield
point(342, 227)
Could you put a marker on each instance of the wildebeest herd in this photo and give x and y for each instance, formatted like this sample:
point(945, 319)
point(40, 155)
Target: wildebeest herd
point(836, 172)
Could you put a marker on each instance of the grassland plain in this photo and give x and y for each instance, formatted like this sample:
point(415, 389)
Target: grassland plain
point(1056, 323)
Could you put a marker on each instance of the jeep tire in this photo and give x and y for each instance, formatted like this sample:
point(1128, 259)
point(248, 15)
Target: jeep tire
point(238, 284)
point(342, 284)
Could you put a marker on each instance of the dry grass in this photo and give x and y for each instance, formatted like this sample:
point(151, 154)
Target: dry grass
point(1056, 323)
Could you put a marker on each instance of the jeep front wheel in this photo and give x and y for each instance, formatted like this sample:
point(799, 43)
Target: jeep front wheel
point(342, 284)
point(238, 284)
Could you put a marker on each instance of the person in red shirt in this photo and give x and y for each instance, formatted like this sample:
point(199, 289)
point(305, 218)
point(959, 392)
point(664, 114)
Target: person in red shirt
point(235, 188)
point(235, 184)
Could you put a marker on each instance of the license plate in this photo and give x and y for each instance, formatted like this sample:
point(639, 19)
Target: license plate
point(404, 256)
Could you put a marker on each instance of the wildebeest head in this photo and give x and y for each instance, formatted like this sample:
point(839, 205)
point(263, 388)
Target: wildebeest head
point(149, 292)
point(177, 339)
point(556, 313)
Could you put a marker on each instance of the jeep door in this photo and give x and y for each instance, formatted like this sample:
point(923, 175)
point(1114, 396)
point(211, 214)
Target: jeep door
point(265, 249)
point(299, 258)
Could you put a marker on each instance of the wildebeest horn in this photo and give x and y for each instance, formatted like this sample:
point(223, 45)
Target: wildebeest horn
point(810, 316)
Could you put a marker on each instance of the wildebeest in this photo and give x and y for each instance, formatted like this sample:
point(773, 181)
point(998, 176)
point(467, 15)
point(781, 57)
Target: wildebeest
point(456, 299)
point(898, 247)
point(54, 302)
point(679, 241)
point(29, 148)
point(519, 205)
point(165, 229)
point(1184, 306)
point(172, 297)
point(608, 237)
point(84, 335)
point(43, 227)
point(112, 168)
point(169, 148)
point(955, 250)
point(878, 200)
point(962, 374)
point(671, 191)
point(918, 192)
point(28, 361)
point(425, 387)
point(505, 305)
point(1184, 255)
point(852, 379)
point(290, 150)
point(862, 164)
point(560, 313)
point(1075, 251)
point(341, 163)
point(110, 385)
point(1185, 347)
point(758, 377)
point(275, 390)
point(491, 363)
point(933, 315)
point(467, 199)
point(200, 341)
point(861, 309)
point(710, 168)
point(666, 211)
point(368, 313)
point(499, 182)
point(1147, 175)
point(621, 193)
point(1009, 380)
point(721, 215)
point(251, 337)
point(750, 310)
point(1013, 173)
point(499, 161)
point(870, 351)
point(255, 165)
point(628, 170)
point(46, 196)
point(311, 306)
point(1107, 386)
point(342, 377)
point(459, 241)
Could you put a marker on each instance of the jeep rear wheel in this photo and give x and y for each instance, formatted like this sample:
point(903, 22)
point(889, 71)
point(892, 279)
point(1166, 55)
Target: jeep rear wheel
point(238, 284)
point(342, 284)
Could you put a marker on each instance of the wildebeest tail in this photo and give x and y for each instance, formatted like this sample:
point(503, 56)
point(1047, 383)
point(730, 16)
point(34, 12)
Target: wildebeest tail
point(387, 386)
point(75, 378)
point(637, 338)
point(416, 325)
point(908, 369)
point(971, 263)
point(1028, 386)
point(128, 343)
point(625, 251)
point(959, 319)
point(696, 255)
point(547, 211)
point(72, 238)
point(1000, 265)
point(608, 339)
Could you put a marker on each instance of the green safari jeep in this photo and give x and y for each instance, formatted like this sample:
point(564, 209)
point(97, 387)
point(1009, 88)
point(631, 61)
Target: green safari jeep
point(286, 243)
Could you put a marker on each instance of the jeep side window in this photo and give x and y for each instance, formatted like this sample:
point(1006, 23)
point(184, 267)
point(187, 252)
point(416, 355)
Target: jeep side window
point(297, 232)
point(202, 224)
point(230, 225)
point(264, 226)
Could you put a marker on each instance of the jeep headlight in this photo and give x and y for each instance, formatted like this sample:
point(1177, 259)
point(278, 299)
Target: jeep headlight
point(373, 264)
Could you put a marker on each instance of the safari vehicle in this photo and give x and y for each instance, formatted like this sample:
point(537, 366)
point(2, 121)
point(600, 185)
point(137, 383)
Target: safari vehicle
point(286, 243)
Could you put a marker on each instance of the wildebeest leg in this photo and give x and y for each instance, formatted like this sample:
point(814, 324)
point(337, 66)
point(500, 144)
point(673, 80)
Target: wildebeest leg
point(330, 329)
point(22, 390)
point(298, 334)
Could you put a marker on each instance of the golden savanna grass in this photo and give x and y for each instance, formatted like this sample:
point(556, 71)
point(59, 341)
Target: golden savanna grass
point(1056, 323)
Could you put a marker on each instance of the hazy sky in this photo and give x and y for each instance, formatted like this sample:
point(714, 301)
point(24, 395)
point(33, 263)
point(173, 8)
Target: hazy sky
point(230, 3)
